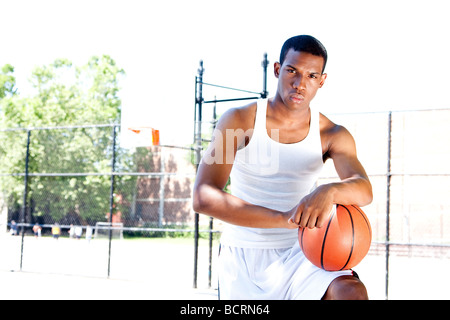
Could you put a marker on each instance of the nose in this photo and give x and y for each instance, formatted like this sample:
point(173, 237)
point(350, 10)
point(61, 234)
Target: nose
point(299, 83)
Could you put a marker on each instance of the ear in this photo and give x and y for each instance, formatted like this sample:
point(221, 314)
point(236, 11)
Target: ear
point(276, 69)
point(322, 80)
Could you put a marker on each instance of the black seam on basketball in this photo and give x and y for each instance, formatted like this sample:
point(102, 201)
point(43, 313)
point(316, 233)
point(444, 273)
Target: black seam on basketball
point(353, 237)
point(325, 237)
point(365, 219)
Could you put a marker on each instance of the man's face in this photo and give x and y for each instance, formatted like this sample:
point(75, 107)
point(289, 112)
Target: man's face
point(299, 78)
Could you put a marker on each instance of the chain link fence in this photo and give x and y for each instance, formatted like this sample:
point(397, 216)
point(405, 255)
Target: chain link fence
point(77, 182)
point(75, 176)
point(78, 176)
point(406, 157)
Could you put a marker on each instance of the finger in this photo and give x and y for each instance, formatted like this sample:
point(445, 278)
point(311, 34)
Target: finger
point(323, 217)
point(312, 222)
point(304, 219)
point(321, 221)
point(295, 217)
point(311, 218)
point(292, 224)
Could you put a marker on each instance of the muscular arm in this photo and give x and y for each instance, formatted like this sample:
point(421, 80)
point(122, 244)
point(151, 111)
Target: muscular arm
point(214, 171)
point(354, 187)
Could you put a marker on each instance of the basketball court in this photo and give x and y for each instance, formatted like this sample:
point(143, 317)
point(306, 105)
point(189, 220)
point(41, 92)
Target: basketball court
point(162, 269)
point(404, 152)
point(77, 269)
point(44, 286)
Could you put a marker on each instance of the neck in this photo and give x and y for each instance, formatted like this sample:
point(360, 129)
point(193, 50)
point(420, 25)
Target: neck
point(280, 111)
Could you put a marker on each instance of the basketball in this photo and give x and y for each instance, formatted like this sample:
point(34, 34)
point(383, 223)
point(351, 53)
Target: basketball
point(341, 243)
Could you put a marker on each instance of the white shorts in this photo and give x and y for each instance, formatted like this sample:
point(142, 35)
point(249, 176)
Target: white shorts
point(271, 274)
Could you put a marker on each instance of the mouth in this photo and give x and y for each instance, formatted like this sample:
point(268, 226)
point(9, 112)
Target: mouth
point(297, 98)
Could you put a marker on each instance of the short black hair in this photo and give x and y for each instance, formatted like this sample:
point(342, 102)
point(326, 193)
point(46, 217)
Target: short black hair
point(304, 43)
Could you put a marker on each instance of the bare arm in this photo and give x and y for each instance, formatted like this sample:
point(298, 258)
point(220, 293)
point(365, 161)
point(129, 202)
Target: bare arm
point(354, 187)
point(214, 171)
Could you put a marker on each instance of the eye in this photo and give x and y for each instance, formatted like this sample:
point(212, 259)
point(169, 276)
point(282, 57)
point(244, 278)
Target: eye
point(313, 76)
point(291, 71)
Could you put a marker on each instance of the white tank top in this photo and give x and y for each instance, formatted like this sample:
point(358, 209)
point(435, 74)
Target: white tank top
point(273, 175)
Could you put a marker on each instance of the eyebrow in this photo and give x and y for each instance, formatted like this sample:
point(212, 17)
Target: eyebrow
point(292, 67)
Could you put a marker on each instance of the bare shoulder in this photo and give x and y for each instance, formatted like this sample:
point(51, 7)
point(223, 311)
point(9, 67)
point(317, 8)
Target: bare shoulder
point(335, 137)
point(238, 118)
point(238, 124)
point(329, 128)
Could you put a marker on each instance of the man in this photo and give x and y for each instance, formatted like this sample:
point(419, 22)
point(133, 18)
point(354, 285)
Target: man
point(273, 151)
point(56, 231)
point(37, 230)
point(13, 228)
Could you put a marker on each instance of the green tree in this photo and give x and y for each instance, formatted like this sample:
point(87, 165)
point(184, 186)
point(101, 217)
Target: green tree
point(7, 81)
point(63, 95)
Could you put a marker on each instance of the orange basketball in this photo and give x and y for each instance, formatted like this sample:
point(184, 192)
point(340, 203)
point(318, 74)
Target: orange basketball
point(341, 243)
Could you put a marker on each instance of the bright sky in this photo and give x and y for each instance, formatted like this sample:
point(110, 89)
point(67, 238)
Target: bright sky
point(383, 55)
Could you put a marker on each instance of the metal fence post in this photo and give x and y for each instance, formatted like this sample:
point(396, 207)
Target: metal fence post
point(388, 201)
point(161, 190)
point(264, 64)
point(25, 196)
point(111, 196)
point(198, 147)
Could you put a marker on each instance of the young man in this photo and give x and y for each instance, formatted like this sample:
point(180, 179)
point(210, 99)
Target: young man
point(273, 150)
